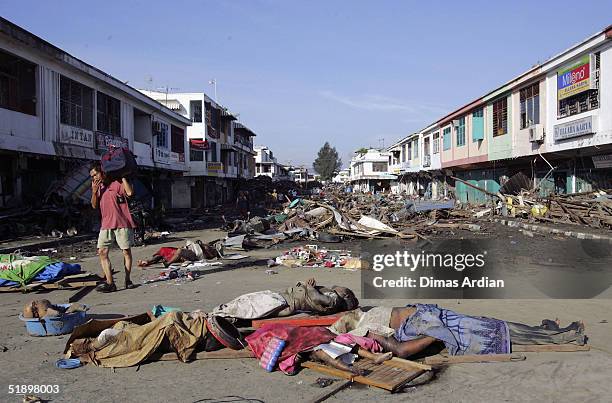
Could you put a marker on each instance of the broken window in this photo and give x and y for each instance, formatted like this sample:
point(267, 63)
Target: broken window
point(178, 140)
point(195, 111)
point(17, 84)
point(108, 114)
point(76, 104)
point(500, 117)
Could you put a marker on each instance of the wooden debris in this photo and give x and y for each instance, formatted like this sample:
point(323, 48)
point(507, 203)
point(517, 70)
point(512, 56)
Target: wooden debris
point(540, 348)
point(388, 376)
point(460, 359)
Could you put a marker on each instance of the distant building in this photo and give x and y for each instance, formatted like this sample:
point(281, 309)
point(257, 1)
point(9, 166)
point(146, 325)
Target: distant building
point(343, 176)
point(265, 163)
point(220, 148)
point(369, 171)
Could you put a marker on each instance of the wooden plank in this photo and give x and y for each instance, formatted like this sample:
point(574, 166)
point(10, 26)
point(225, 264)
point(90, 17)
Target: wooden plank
point(323, 397)
point(224, 353)
point(77, 284)
point(388, 377)
point(460, 359)
point(406, 364)
point(538, 348)
point(300, 320)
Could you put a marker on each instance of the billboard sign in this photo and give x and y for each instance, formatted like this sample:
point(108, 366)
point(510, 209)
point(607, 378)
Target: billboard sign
point(574, 78)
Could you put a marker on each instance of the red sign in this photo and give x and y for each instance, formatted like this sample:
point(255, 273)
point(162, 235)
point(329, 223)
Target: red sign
point(199, 144)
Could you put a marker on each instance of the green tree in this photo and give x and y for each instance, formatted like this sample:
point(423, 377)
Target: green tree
point(327, 162)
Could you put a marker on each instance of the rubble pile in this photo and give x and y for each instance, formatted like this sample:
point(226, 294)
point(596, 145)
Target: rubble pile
point(517, 198)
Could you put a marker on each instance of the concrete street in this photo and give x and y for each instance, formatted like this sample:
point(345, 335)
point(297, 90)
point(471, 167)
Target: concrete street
point(579, 376)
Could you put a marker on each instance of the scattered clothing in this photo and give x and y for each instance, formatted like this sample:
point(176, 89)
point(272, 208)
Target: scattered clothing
point(17, 269)
point(255, 305)
point(359, 323)
point(297, 339)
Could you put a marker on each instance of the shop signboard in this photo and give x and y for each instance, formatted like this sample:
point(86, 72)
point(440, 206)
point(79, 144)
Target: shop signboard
point(575, 128)
point(76, 136)
point(574, 78)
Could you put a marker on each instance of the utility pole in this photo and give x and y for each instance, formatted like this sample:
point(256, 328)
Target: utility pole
point(213, 82)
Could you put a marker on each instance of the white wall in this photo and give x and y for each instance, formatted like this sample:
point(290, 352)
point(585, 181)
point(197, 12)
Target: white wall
point(601, 117)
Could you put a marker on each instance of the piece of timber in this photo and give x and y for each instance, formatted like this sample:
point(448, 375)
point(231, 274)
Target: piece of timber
point(75, 284)
point(300, 320)
point(222, 354)
point(538, 348)
point(407, 364)
point(460, 359)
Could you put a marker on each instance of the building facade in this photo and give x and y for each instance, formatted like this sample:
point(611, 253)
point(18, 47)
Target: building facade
point(266, 163)
point(369, 171)
point(553, 123)
point(58, 114)
point(220, 148)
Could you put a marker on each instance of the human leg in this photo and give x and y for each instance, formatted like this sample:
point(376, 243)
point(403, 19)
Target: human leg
point(521, 334)
point(125, 240)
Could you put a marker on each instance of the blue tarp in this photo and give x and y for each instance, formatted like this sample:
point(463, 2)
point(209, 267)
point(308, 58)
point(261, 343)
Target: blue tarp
point(52, 272)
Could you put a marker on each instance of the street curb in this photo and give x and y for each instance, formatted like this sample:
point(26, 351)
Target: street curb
point(49, 244)
point(549, 230)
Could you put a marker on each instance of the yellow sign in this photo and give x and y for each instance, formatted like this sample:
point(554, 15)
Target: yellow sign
point(214, 168)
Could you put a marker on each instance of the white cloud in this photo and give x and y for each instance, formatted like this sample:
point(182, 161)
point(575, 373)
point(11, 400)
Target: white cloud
point(374, 102)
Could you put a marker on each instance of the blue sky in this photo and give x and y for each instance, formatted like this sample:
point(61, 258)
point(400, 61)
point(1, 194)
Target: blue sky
point(300, 73)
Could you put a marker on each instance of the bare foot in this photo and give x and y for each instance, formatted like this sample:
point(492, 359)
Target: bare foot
point(142, 263)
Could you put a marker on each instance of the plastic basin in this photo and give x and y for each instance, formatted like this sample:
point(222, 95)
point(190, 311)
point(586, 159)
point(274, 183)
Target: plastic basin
point(54, 325)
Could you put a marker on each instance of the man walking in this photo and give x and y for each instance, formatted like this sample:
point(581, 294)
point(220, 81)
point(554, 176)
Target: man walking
point(117, 223)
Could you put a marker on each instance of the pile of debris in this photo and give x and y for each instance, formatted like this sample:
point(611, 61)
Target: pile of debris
point(518, 198)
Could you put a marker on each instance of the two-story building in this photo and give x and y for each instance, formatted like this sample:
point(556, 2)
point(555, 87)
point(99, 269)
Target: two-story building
point(220, 148)
point(552, 123)
point(266, 163)
point(58, 114)
point(369, 171)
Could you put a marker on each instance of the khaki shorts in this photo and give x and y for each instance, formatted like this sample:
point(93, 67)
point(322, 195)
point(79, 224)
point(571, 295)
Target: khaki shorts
point(123, 236)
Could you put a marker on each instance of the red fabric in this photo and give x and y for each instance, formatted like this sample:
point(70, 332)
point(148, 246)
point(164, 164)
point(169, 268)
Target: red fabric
point(114, 215)
point(297, 339)
point(167, 253)
point(364, 342)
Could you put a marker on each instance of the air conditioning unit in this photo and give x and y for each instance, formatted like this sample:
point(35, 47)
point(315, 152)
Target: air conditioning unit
point(426, 160)
point(455, 122)
point(536, 133)
point(156, 125)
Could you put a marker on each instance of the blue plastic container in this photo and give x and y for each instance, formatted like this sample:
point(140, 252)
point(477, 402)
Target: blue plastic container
point(54, 325)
